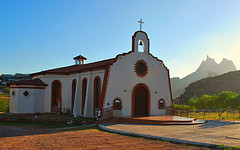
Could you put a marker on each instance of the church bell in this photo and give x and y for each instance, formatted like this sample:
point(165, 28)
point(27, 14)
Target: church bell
point(141, 43)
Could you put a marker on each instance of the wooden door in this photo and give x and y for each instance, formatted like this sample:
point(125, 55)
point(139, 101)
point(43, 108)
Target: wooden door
point(141, 102)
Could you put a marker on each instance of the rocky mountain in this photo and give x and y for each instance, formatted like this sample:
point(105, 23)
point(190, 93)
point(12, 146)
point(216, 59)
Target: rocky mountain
point(226, 82)
point(208, 68)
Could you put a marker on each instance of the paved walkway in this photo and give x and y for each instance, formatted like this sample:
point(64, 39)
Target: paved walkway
point(211, 133)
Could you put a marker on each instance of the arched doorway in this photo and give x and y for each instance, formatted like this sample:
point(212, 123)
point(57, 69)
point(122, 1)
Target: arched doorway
point(74, 82)
point(140, 100)
point(84, 91)
point(56, 94)
point(97, 91)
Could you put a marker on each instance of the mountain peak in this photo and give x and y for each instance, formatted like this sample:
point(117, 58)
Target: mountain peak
point(208, 68)
point(208, 64)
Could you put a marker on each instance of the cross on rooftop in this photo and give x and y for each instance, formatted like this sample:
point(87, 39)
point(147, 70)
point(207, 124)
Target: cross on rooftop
point(140, 24)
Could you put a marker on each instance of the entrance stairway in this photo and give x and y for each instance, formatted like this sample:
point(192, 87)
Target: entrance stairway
point(161, 120)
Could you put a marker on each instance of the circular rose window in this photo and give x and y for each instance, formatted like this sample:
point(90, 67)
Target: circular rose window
point(141, 68)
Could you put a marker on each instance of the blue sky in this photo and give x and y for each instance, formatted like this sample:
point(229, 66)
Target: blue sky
point(37, 35)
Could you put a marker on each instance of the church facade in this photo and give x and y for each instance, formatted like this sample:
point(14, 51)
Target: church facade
point(131, 84)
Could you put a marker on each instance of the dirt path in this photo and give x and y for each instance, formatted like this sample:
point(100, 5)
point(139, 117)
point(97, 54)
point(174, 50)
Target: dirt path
point(213, 132)
point(82, 139)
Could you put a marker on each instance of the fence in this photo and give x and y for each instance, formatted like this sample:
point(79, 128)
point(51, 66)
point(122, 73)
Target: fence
point(212, 115)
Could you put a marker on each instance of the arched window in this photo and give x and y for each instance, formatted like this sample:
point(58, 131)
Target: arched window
point(141, 68)
point(97, 91)
point(161, 104)
point(84, 91)
point(117, 104)
point(56, 94)
point(74, 82)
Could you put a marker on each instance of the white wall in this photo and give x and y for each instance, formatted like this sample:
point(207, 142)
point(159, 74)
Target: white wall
point(33, 103)
point(66, 81)
point(13, 108)
point(39, 100)
point(123, 78)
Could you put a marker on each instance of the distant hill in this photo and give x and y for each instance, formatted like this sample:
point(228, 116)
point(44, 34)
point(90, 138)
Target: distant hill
point(208, 68)
point(227, 82)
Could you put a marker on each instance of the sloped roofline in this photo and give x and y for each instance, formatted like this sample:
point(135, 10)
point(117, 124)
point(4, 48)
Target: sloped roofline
point(76, 68)
point(35, 82)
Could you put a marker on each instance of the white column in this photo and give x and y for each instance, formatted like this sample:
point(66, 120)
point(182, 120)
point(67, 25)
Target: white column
point(87, 110)
point(76, 95)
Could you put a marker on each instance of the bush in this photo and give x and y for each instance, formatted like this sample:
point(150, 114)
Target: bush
point(4, 104)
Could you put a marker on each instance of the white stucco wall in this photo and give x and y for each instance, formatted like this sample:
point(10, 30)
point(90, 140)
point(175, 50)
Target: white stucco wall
point(90, 91)
point(32, 103)
point(66, 90)
point(122, 79)
point(13, 108)
point(66, 82)
point(39, 100)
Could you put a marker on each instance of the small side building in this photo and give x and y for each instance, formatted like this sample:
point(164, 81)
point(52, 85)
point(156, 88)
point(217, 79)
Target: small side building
point(27, 96)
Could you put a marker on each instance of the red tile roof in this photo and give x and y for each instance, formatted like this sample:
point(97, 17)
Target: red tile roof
point(76, 68)
point(28, 82)
point(80, 57)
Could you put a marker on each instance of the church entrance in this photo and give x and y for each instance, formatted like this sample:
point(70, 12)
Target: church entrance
point(141, 102)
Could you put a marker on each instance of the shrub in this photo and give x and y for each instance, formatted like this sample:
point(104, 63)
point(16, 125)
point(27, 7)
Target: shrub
point(4, 104)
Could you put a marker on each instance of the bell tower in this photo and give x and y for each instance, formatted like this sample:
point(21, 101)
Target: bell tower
point(140, 40)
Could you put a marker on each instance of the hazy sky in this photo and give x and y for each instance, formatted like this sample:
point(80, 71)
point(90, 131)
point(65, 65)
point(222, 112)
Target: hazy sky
point(36, 35)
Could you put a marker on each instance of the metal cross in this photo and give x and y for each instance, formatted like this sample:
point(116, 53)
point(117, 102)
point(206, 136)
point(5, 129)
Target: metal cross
point(140, 24)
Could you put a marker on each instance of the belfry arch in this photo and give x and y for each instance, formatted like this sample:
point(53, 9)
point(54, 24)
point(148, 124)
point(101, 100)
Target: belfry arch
point(136, 38)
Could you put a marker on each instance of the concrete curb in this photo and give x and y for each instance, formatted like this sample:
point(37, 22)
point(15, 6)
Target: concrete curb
point(74, 127)
point(162, 138)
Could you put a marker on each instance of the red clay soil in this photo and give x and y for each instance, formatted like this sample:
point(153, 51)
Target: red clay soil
point(85, 139)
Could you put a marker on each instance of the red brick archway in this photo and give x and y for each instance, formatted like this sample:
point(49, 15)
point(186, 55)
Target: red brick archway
point(141, 89)
point(84, 91)
point(56, 93)
point(97, 92)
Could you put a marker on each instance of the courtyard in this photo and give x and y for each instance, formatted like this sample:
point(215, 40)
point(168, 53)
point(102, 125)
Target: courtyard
point(17, 137)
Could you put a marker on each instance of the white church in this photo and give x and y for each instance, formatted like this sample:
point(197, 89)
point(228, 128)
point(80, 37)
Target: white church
point(131, 84)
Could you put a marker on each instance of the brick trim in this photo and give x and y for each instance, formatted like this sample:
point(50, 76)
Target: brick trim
point(133, 40)
point(136, 69)
point(123, 54)
point(114, 106)
point(148, 98)
point(170, 89)
point(159, 102)
point(94, 93)
point(104, 88)
point(159, 60)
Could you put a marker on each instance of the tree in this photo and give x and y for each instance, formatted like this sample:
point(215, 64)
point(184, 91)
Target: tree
point(192, 103)
point(6, 90)
point(185, 108)
point(235, 103)
point(222, 101)
point(203, 103)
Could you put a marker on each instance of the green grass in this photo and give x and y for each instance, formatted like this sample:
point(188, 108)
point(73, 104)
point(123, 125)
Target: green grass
point(4, 95)
point(231, 116)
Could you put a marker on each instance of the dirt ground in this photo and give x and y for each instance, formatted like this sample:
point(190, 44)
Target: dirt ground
point(12, 137)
